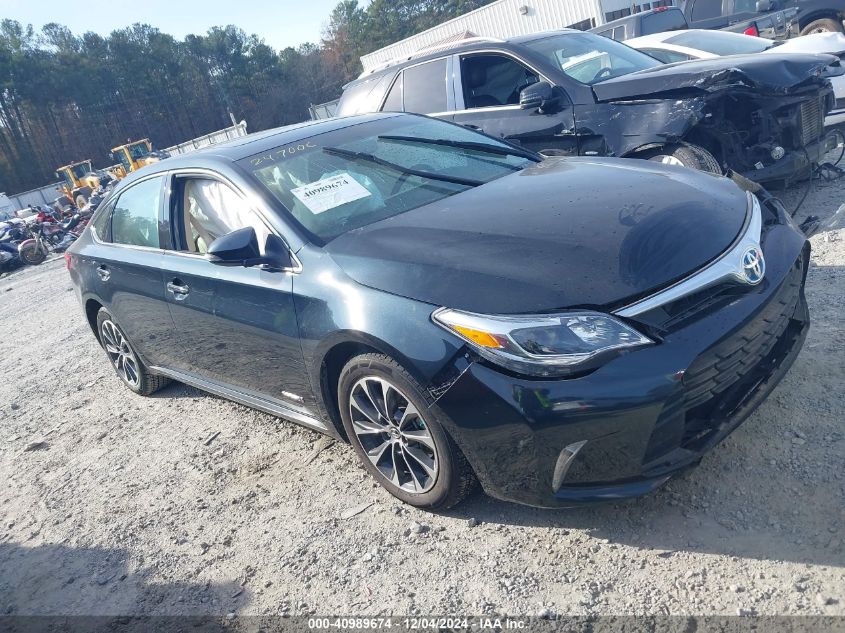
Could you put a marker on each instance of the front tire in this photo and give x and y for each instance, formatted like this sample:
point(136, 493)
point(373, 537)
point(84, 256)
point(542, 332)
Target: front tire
point(687, 155)
point(123, 358)
point(32, 254)
point(823, 25)
point(397, 434)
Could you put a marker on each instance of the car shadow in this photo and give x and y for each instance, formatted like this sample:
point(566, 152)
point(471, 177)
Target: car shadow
point(176, 390)
point(57, 580)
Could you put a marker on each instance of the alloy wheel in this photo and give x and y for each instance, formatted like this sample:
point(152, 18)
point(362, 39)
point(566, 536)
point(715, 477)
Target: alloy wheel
point(120, 353)
point(394, 435)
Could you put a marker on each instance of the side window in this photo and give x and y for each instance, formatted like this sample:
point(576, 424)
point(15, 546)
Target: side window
point(101, 222)
point(493, 80)
point(393, 103)
point(706, 9)
point(424, 87)
point(134, 220)
point(206, 209)
point(745, 6)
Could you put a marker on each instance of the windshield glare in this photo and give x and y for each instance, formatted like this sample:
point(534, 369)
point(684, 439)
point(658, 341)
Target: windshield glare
point(721, 43)
point(590, 58)
point(330, 194)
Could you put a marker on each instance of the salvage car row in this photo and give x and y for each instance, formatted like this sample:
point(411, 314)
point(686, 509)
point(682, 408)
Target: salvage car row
point(574, 93)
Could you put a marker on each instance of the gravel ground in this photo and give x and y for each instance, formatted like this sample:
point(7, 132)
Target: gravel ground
point(184, 503)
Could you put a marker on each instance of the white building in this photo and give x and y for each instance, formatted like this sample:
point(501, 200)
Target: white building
point(509, 18)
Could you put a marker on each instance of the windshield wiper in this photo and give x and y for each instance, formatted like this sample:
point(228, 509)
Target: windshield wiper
point(468, 182)
point(471, 145)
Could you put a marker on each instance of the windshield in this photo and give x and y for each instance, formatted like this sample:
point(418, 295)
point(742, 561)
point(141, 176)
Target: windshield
point(663, 20)
point(720, 43)
point(138, 151)
point(81, 169)
point(590, 58)
point(341, 180)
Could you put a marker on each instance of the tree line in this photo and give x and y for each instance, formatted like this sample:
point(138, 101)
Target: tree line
point(66, 97)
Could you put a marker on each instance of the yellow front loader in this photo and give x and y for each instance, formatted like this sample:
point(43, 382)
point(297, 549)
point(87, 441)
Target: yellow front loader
point(135, 155)
point(78, 181)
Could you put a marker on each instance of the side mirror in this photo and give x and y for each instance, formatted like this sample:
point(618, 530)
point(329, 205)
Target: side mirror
point(538, 95)
point(765, 5)
point(240, 248)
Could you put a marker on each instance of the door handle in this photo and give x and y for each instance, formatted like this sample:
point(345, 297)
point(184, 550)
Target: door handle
point(471, 126)
point(103, 272)
point(177, 289)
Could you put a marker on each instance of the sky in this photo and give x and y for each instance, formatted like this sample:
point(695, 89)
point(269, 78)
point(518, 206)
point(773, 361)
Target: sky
point(280, 23)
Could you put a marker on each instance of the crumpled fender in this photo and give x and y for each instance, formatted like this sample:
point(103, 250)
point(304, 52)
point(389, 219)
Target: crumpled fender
point(770, 74)
point(636, 124)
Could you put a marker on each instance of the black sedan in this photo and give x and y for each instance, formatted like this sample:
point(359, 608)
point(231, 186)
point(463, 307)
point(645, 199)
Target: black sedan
point(458, 308)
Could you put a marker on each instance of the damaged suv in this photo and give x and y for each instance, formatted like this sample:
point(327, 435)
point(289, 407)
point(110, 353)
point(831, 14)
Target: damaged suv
point(575, 93)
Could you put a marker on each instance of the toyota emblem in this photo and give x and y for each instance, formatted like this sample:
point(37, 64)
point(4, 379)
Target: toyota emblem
point(753, 265)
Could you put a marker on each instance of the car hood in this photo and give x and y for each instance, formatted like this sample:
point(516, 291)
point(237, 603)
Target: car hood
point(563, 233)
point(770, 74)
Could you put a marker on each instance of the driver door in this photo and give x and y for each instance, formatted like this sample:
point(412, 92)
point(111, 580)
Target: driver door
point(487, 94)
point(237, 324)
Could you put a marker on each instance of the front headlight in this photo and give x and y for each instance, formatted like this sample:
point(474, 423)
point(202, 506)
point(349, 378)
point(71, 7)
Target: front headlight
point(544, 344)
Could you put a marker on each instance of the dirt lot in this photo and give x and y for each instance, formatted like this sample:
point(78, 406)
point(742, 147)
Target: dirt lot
point(118, 504)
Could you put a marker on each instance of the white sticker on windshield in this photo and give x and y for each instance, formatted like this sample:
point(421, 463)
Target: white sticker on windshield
point(331, 192)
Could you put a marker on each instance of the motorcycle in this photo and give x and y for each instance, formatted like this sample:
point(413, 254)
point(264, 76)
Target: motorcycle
point(10, 236)
point(47, 238)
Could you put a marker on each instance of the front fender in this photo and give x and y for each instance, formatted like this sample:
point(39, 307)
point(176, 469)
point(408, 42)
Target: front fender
point(26, 244)
point(621, 128)
point(334, 310)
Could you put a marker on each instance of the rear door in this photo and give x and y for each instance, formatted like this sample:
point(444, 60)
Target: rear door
point(422, 88)
point(127, 265)
point(237, 324)
point(487, 89)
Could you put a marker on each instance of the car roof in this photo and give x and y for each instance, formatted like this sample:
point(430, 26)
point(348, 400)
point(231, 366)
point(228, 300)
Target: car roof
point(653, 38)
point(237, 149)
point(476, 44)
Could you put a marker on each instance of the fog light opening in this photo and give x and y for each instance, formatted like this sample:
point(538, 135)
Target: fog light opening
point(564, 461)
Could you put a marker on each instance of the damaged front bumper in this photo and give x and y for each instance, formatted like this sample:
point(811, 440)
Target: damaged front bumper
point(795, 165)
point(626, 428)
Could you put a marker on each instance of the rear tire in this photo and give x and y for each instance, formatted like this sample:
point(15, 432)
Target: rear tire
point(398, 436)
point(823, 25)
point(123, 358)
point(32, 255)
point(687, 155)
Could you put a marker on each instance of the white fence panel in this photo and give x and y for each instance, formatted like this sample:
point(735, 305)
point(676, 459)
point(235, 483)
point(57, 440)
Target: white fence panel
point(48, 193)
point(220, 136)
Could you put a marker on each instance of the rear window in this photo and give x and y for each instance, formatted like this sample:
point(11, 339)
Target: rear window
point(101, 222)
point(720, 43)
point(363, 97)
point(662, 21)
